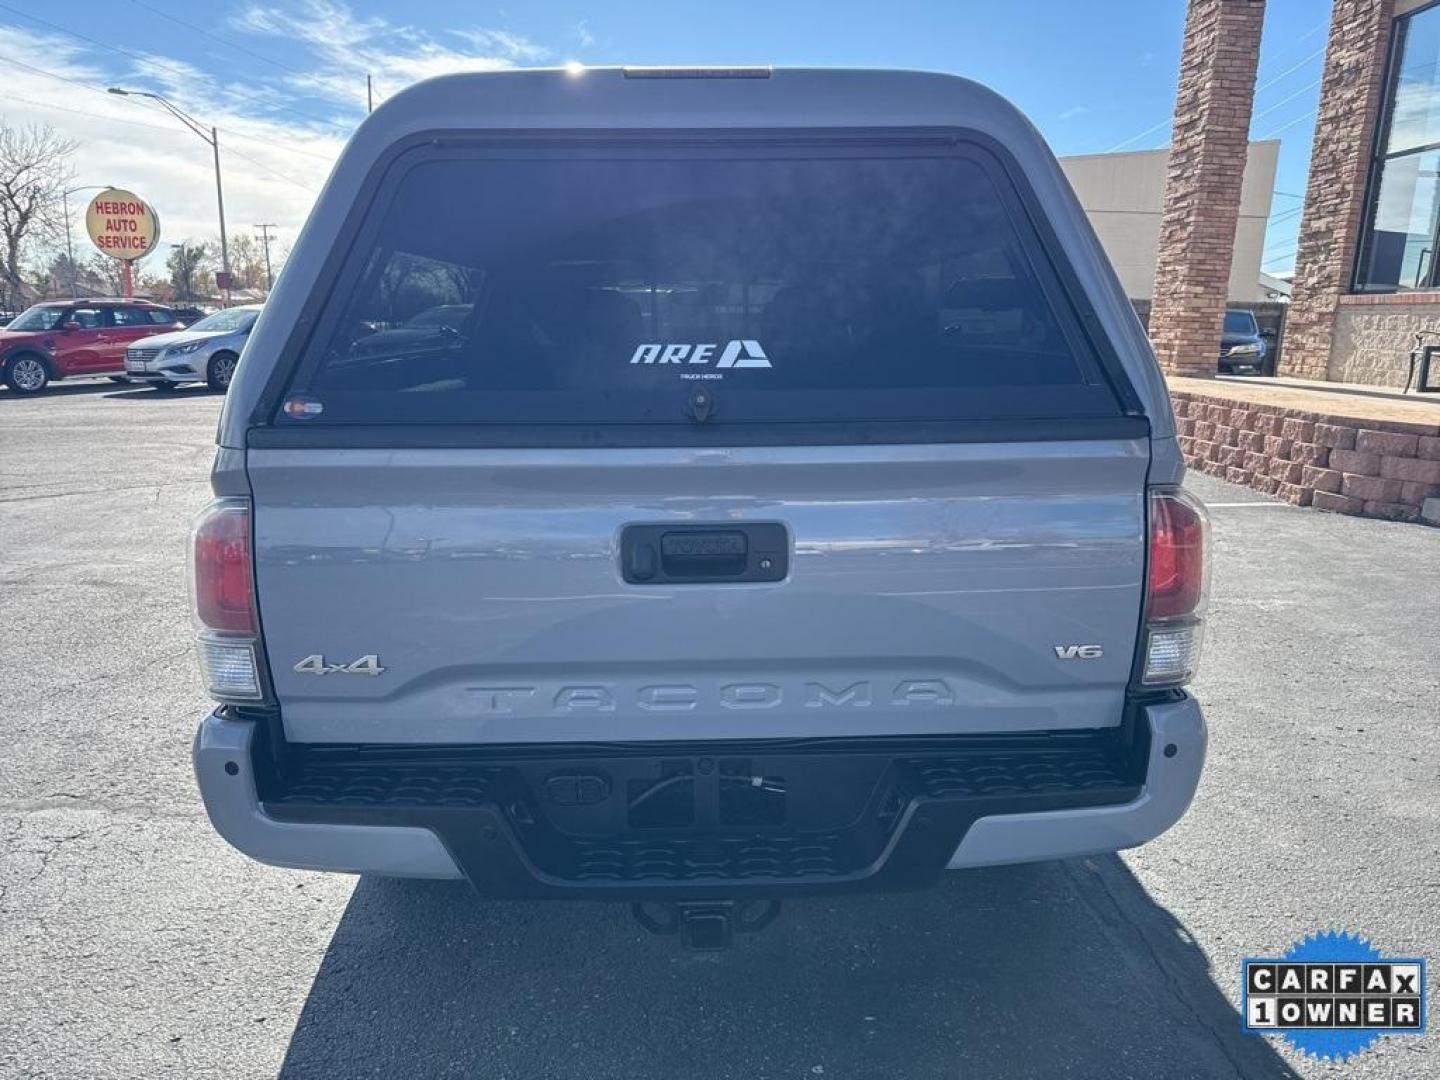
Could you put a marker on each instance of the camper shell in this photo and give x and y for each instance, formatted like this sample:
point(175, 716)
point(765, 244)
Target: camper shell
point(697, 486)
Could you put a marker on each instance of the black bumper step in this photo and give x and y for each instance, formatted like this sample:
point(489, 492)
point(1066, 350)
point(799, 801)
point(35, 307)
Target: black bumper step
point(703, 821)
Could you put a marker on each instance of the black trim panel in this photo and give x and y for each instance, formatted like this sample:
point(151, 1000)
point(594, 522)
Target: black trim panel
point(813, 433)
point(704, 820)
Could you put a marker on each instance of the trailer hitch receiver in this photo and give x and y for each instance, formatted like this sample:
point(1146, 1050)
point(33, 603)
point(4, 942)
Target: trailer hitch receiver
point(706, 926)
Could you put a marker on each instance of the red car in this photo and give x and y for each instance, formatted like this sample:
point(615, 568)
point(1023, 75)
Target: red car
point(67, 338)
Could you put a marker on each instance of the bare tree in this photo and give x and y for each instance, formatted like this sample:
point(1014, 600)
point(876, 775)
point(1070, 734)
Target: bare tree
point(34, 170)
point(50, 277)
point(155, 287)
point(187, 263)
point(109, 272)
point(247, 261)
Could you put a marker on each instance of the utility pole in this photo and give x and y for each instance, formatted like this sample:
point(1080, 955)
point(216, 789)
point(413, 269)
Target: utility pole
point(369, 95)
point(220, 200)
point(265, 243)
point(213, 138)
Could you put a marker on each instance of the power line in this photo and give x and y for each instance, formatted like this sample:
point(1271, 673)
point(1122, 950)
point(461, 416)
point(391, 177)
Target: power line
point(1263, 86)
point(216, 37)
point(1291, 69)
point(1136, 138)
point(1285, 100)
point(1289, 125)
point(278, 145)
point(1282, 241)
point(228, 131)
point(82, 112)
point(47, 74)
point(151, 61)
point(273, 172)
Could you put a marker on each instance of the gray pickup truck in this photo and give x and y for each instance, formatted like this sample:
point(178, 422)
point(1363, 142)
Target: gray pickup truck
point(696, 487)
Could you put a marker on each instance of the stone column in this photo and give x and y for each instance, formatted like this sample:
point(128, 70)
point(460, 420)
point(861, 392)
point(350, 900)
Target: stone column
point(1202, 183)
point(1350, 91)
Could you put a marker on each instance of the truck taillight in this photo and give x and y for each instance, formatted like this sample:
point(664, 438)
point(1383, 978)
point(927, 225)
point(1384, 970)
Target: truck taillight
point(1175, 587)
point(224, 598)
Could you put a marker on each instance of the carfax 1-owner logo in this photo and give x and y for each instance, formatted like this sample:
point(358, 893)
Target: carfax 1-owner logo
point(1333, 995)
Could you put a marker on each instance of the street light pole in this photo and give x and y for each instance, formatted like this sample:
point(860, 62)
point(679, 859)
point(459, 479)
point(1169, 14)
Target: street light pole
point(69, 248)
point(212, 136)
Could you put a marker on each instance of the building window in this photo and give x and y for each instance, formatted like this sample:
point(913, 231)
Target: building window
point(1401, 240)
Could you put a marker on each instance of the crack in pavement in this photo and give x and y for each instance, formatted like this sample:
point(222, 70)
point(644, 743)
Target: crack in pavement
point(105, 490)
point(132, 669)
point(133, 810)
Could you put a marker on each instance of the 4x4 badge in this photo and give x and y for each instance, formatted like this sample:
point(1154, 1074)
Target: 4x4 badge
point(316, 665)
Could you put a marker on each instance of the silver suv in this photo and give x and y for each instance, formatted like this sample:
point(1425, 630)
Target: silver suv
point(697, 488)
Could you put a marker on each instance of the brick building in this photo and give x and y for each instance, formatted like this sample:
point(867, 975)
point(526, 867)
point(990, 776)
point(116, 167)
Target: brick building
point(1367, 276)
point(1367, 270)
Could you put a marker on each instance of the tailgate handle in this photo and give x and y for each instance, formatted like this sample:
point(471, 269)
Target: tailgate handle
point(670, 554)
point(704, 554)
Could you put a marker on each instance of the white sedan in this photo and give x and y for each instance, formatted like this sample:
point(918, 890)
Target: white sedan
point(204, 352)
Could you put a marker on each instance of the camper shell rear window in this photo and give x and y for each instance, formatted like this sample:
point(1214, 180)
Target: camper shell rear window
point(717, 283)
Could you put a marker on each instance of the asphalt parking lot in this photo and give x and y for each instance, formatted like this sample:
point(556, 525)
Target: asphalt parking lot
point(135, 943)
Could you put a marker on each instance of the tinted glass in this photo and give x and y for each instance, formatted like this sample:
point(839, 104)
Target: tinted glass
point(1239, 322)
point(1400, 244)
point(89, 318)
point(229, 321)
point(131, 316)
point(40, 317)
point(788, 287)
point(451, 315)
point(161, 316)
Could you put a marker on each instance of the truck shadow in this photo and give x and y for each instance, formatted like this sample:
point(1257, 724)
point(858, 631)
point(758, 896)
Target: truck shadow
point(1057, 969)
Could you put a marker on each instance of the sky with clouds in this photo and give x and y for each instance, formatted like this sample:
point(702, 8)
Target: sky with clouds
point(284, 81)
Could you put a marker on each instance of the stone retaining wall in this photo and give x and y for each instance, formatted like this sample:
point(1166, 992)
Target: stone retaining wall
point(1373, 336)
point(1376, 468)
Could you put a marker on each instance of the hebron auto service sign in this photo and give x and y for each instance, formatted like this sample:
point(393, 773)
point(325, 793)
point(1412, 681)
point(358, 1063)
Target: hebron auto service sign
point(122, 225)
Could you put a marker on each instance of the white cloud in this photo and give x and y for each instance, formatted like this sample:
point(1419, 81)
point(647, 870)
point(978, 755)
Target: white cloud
point(275, 150)
point(348, 48)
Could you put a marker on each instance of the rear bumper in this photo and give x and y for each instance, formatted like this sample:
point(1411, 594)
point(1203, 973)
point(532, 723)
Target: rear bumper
point(928, 810)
